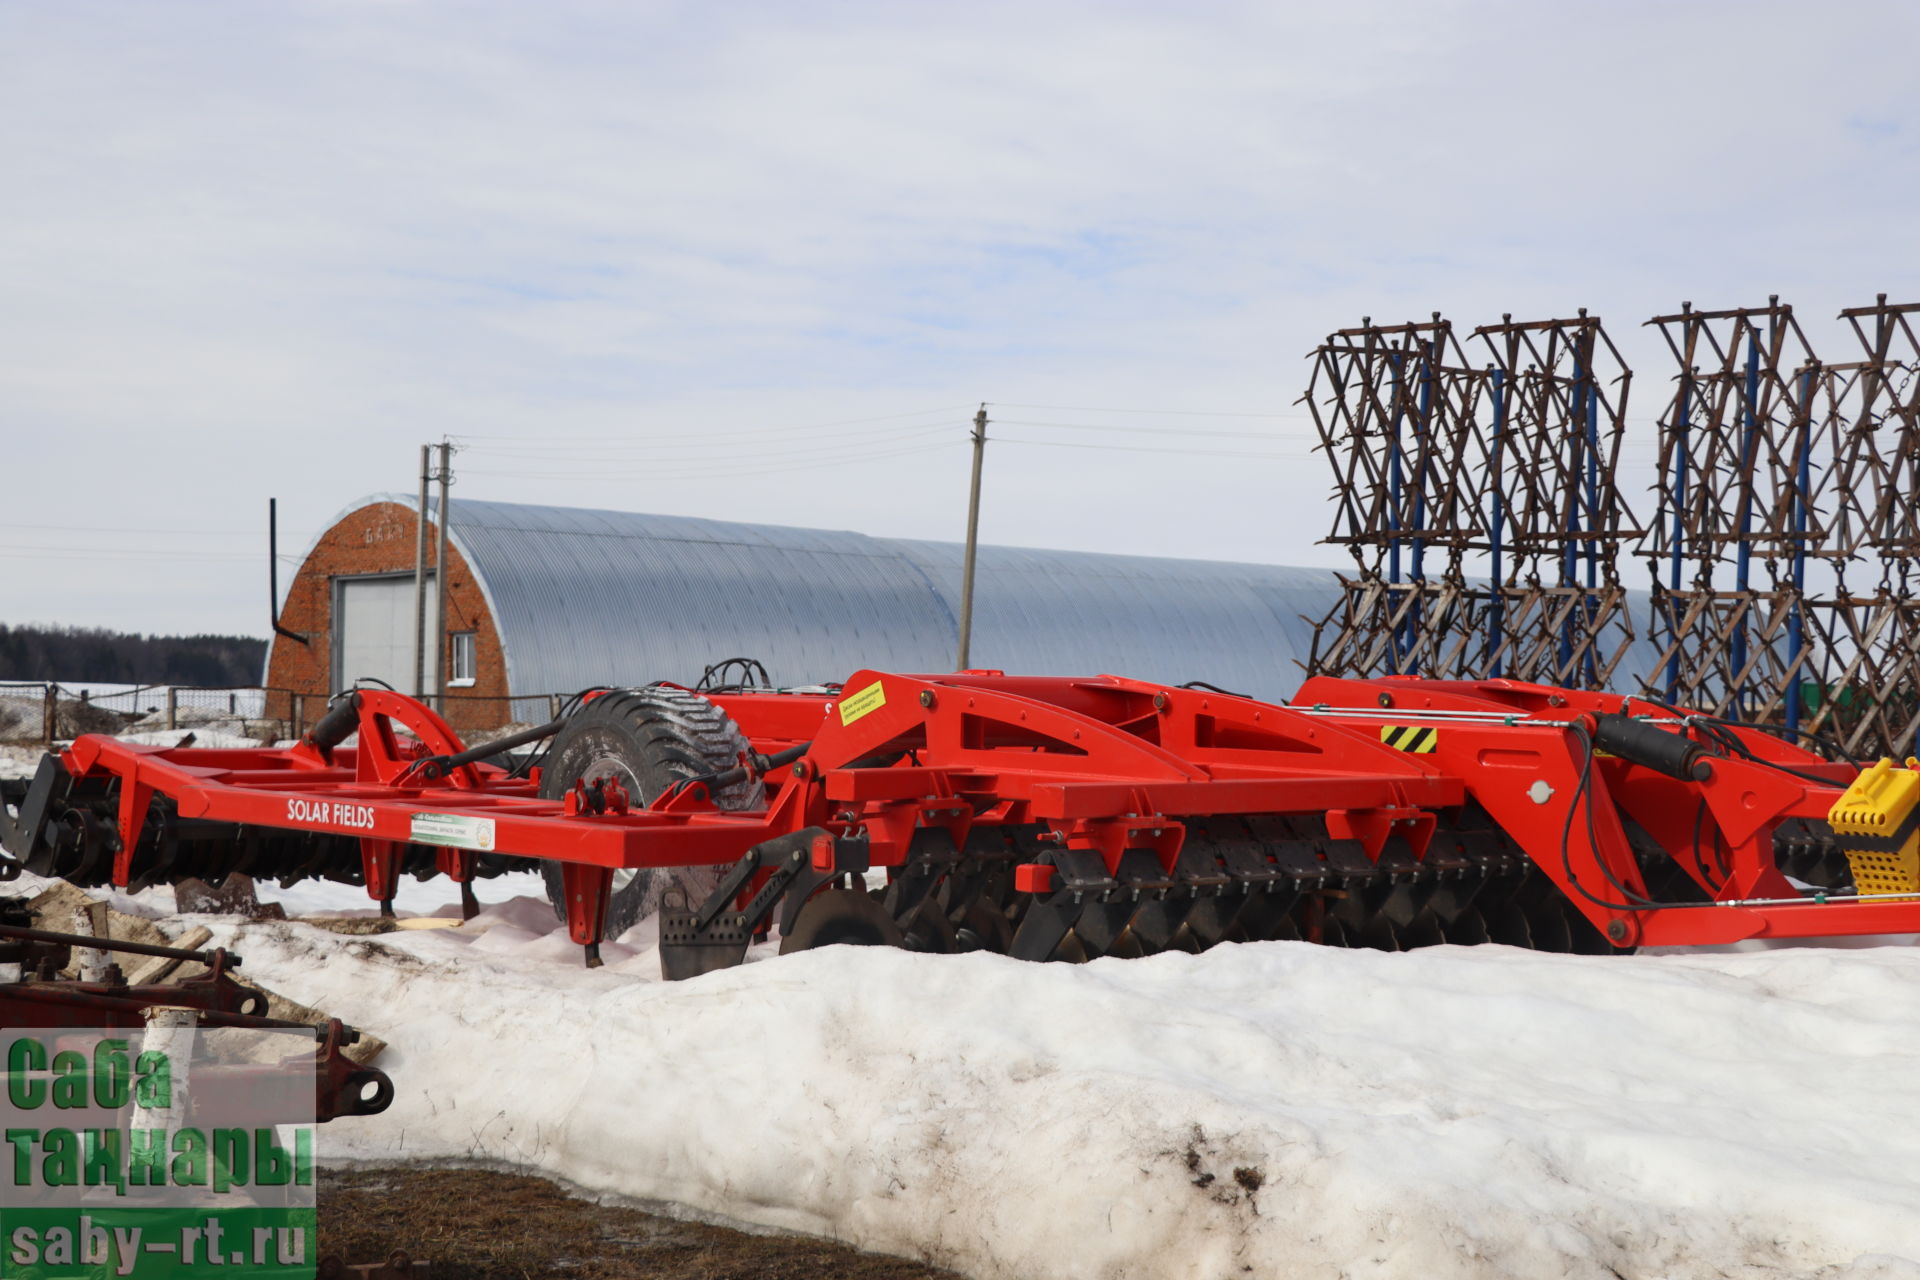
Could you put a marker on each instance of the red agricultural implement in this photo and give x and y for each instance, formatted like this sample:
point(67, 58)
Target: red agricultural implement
point(1047, 818)
point(34, 995)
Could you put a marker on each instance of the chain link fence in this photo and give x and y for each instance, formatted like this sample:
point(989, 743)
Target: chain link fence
point(42, 713)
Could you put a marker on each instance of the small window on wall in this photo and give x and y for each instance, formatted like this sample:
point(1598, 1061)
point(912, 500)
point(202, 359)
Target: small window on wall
point(461, 670)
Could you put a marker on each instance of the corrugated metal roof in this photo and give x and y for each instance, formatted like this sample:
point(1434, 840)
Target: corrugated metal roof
point(585, 597)
point(1238, 626)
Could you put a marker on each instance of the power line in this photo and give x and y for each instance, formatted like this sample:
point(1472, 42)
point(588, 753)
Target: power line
point(1157, 431)
point(18, 552)
point(112, 529)
point(708, 455)
point(1168, 413)
point(605, 446)
point(602, 438)
point(1134, 448)
point(721, 468)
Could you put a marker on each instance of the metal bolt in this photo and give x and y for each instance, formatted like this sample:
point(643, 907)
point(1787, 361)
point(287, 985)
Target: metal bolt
point(926, 697)
point(800, 769)
point(1386, 699)
point(1159, 702)
point(1617, 930)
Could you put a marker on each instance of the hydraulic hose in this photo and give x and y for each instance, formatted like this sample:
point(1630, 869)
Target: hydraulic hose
point(441, 766)
point(335, 727)
point(1638, 741)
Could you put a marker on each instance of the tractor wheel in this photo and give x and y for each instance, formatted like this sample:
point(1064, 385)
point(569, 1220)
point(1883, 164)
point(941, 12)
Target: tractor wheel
point(645, 739)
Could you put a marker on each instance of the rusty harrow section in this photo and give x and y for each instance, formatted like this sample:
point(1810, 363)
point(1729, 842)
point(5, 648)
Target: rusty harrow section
point(1047, 818)
point(1781, 551)
point(1785, 482)
point(1747, 488)
point(1514, 461)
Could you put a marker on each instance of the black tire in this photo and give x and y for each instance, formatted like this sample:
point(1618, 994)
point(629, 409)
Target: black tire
point(646, 739)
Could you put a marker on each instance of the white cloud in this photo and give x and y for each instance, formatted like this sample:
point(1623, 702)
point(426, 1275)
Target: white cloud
point(254, 249)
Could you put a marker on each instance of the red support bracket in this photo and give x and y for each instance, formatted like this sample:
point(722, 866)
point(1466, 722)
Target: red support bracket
point(1371, 827)
point(1112, 837)
point(587, 889)
point(890, 826)
point(380, 865)
point(457, 865)
point(136, 797)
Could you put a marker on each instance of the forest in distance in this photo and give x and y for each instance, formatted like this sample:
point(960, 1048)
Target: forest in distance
point(70, 654)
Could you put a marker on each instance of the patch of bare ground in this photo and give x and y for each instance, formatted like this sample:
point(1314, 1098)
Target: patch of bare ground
point(482, 1225)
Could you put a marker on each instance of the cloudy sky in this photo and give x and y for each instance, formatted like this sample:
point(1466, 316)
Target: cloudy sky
point(760, 261)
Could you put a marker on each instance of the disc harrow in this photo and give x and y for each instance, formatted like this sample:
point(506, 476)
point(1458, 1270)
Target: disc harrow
point(1048, 819)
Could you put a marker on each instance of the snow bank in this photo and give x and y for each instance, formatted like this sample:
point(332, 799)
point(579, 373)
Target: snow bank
point(1264, 1110)
point(1273, 1109)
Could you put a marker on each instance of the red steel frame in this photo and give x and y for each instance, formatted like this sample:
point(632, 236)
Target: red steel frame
point(1103, 763)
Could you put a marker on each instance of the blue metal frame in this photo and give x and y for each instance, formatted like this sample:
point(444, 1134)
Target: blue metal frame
point(1743, 558)
point(1681, 460)
point(1802, 496)
point(1570, 548)
point(1496, 595)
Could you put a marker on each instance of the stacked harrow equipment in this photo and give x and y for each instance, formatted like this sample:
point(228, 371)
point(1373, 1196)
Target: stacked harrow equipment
point(1047, 818)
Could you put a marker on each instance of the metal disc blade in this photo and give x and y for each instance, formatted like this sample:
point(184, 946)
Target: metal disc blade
point(841, 917)
point(1042, 929)
point(1469, 928)
point(984, 928)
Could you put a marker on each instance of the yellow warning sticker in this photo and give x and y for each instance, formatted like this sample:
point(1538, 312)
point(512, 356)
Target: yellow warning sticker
point(1417, 738)
point(868, 700)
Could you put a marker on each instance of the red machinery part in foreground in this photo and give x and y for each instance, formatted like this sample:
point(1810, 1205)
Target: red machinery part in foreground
point(35, 996)
point(1047, 817)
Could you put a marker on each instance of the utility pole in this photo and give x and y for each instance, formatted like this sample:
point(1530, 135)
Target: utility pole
point(973, 540)
point(440, 576)
point(420, 580)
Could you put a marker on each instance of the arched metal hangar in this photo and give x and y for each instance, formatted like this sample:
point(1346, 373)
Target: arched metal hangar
point(553, 599)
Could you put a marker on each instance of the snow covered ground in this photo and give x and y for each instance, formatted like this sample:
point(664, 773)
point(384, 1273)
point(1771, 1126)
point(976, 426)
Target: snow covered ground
point(1270, 1110)
point(1265, 1110)
point(19, 762)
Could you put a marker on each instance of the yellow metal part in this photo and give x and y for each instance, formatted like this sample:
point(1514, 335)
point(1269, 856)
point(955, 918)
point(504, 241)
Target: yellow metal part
point(1880, 806)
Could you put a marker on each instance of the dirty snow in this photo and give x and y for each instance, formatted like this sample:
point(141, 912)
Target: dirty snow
point(203, 737)
point(1270, 1109)
point(19, 762)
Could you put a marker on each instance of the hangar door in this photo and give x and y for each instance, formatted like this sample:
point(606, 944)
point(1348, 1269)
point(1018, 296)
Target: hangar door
point(373, 630)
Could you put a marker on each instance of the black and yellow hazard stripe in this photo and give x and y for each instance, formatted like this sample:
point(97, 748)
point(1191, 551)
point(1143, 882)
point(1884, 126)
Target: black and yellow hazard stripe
point(1417, 738)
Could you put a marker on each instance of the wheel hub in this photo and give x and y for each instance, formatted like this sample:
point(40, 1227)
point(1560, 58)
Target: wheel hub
point(613, 769)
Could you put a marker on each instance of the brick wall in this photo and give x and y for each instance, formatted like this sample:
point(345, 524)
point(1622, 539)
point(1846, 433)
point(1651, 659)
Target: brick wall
point(380, 539)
